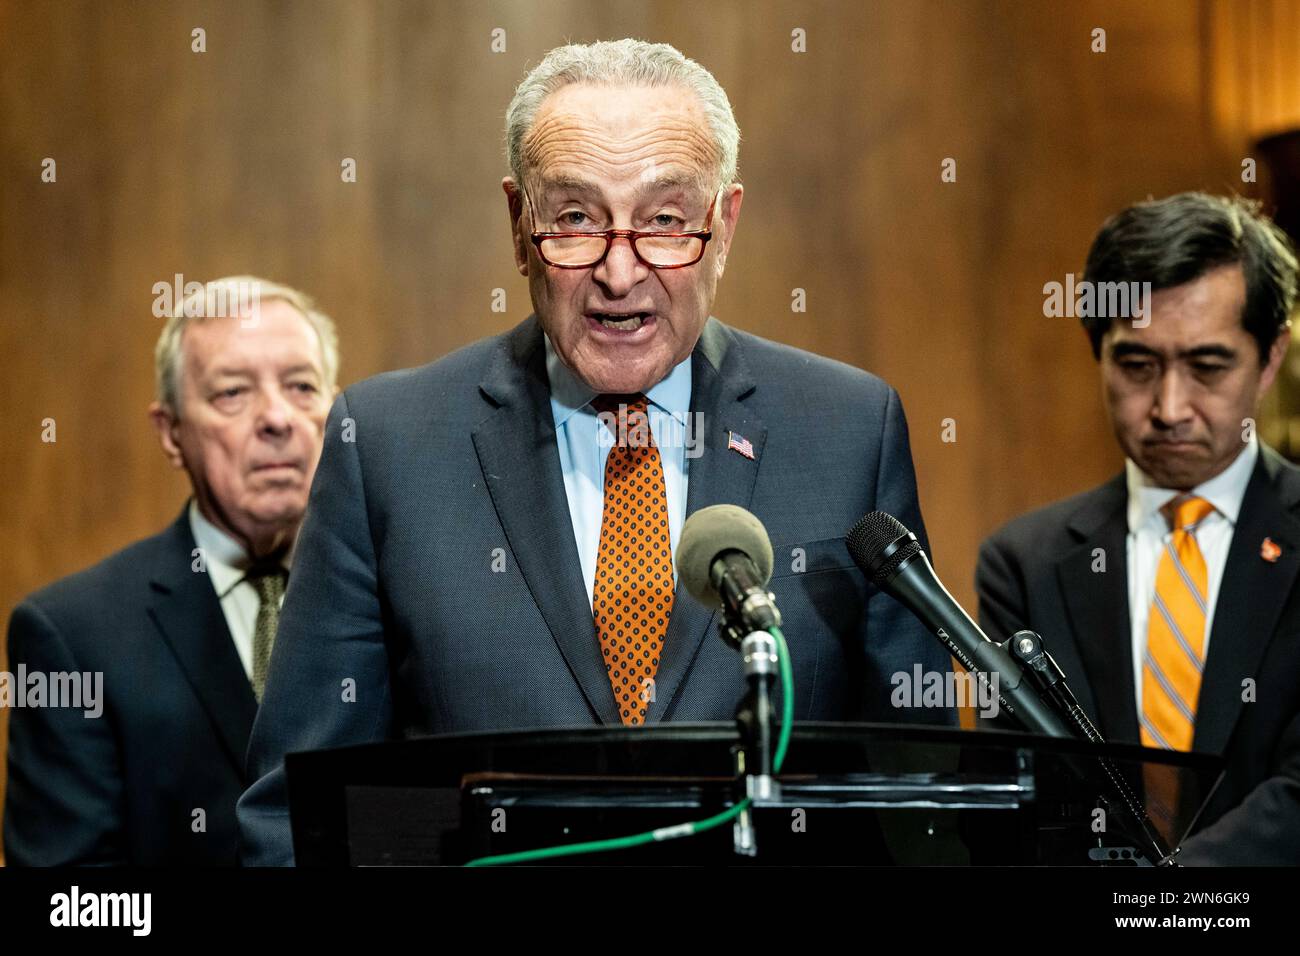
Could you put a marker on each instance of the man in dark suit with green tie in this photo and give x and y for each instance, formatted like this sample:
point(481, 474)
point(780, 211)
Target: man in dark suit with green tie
point(178, 626)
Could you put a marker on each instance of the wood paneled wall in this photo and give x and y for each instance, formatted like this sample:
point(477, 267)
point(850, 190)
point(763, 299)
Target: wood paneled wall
point(228, 161)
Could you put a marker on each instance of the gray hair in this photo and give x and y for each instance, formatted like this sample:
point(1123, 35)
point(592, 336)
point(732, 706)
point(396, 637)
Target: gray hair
point(617, 63)
point(225, 297)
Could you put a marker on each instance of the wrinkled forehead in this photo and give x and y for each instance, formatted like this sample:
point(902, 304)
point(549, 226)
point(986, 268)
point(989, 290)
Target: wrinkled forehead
point(616, 139)
point(274, 330)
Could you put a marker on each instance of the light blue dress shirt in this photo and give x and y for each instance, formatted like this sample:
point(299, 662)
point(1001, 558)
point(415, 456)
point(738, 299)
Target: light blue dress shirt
point(584, 444)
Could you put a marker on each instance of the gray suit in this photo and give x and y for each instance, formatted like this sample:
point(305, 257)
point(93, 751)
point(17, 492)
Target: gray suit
point(394, 588)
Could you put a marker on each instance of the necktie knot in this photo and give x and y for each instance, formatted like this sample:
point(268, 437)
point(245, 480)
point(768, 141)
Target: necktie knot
point(1186, 512)
point(619, 403)
point(268, 578)
point(626, 418)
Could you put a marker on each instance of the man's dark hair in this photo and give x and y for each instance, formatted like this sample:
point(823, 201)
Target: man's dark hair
point(1170, 241)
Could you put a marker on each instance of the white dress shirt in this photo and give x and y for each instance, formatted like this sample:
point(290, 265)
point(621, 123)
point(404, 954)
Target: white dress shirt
point(227, 562)
point(584, 443)
point(1149, 532)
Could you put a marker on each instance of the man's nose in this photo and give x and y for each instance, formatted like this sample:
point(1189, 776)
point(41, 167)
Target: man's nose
point(1171, 405)
point(620, 270)
point(274, 415)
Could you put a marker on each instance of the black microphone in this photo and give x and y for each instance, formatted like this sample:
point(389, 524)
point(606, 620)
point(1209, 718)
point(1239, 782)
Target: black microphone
point(725, 558)
point(894, 561)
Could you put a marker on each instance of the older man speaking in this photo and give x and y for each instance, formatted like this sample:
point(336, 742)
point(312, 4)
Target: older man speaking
point(487, 548)
point(179, 625)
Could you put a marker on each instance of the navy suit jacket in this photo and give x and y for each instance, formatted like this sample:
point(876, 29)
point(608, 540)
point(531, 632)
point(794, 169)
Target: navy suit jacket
point(397, 624)
point(123, 788)
point(1037, 573)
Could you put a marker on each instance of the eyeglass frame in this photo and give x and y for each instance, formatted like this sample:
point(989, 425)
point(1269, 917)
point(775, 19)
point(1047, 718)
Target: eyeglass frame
point(632, 235)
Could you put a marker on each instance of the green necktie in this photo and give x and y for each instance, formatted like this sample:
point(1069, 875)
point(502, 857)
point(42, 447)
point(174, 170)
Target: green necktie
point(269, 580)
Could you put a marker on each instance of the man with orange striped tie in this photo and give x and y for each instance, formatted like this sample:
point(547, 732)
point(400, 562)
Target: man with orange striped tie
point(491, 539)
point(1168, 595)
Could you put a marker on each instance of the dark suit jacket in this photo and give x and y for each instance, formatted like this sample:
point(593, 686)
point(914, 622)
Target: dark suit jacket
point(178, 708)
point(1037, 573)
point(394, 587)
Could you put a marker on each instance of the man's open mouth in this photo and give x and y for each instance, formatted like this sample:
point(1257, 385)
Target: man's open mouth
point(620, 321)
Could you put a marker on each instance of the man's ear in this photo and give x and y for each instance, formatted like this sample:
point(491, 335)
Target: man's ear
point(1276, 355)
point(164, 422)
point(725, 224)
point(515, 206)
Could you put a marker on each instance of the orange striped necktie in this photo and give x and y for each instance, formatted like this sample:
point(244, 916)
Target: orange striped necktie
point(633, 595)
point(1176, 627)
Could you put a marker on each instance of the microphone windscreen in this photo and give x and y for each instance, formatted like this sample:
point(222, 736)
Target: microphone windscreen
point(711, 531)
point(868, 540)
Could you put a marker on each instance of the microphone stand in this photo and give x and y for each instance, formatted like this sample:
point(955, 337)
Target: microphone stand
point(1049, 680)
point(754, 720)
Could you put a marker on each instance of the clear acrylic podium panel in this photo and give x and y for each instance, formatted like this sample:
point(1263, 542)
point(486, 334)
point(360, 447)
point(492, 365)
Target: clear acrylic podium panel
point(849, 794)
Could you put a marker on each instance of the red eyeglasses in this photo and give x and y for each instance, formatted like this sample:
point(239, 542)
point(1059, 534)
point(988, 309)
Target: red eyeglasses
point(658, 250)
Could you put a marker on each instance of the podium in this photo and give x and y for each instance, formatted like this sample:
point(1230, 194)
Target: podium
point(873, 794)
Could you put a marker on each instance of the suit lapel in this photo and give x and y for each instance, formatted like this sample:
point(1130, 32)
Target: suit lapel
point(720, 379)
point(1097, 605)
point(188, 613)
point(521, 465)
point(1251, 596)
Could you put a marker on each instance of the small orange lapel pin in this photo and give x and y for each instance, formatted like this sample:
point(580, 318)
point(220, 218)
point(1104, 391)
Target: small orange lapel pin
point(1269, 551)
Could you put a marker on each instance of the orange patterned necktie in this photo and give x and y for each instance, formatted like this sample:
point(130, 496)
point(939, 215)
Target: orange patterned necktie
point(1175, 655)
point(633, 595)
point(1171, 670)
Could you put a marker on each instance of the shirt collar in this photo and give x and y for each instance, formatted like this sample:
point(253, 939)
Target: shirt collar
point(569, 394)
point(1224, 491)
point(225, 558)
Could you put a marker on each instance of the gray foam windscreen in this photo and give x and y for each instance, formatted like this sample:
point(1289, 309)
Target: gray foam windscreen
point(709, 532)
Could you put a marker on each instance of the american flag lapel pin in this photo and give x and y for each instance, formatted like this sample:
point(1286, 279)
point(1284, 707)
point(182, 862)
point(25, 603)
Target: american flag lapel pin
point(1269, 551)
point(741, 444)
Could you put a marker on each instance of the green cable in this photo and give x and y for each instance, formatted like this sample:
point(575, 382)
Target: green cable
point(681, 829)
point(787, 698)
